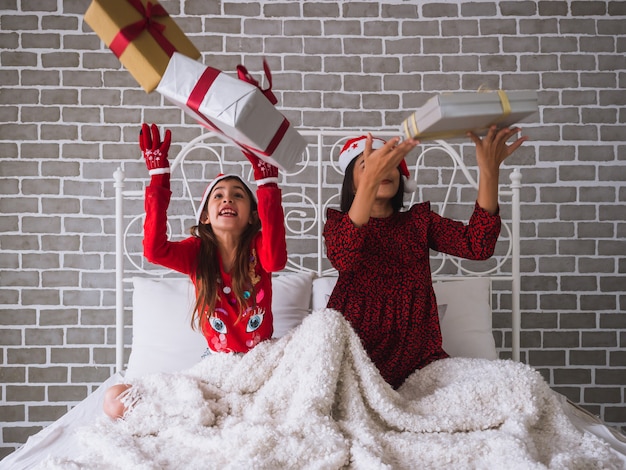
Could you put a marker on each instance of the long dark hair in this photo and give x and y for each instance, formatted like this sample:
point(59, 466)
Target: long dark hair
point(208, 270)
point(347, 191)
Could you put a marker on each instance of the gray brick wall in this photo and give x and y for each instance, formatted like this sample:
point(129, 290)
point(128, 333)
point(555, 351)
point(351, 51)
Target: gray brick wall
point(70, 114)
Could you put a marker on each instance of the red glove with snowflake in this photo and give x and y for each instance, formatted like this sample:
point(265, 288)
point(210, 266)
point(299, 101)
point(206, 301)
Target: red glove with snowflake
point(264, 173)
point(155, 153)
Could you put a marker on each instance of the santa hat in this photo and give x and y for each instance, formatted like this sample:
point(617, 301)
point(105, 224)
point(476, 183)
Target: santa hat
point(210, 187)
point(355, 147)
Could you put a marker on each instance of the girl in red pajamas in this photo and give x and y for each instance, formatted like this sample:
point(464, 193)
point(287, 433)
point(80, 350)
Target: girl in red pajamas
point(385, 287)
point(228, 257)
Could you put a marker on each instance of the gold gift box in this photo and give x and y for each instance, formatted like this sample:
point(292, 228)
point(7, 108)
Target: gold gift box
point(143, 56)
point(451, 115)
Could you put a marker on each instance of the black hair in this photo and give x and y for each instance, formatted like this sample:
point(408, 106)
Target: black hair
point(347, 190)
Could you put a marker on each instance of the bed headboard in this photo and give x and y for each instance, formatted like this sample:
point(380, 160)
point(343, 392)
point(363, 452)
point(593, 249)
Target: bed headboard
point(439, 168)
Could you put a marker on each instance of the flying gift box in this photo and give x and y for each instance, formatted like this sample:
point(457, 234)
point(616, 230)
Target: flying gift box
point(142, 36)
point(235, 108)
point(451, 115)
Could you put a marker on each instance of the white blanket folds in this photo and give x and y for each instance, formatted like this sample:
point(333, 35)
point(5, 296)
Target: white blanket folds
point(314, 400)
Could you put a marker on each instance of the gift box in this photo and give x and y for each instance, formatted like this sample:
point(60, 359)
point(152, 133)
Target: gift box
point(141, 34)
point(234, 108)
point(452, 115)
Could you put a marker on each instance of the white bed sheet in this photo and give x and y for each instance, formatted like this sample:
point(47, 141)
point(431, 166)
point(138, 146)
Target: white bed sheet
point(60, 438)
point(585, 421)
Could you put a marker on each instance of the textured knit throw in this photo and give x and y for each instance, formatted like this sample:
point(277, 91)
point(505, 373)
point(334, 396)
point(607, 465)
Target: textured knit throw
point(314, 400)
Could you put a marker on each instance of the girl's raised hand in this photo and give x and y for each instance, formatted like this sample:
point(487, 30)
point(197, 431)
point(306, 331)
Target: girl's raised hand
point(378, 163)
point(493, 149)
point(153, 150)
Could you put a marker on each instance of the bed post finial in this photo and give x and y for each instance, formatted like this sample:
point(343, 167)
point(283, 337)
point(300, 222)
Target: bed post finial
point(118, 176)
point(516, 178)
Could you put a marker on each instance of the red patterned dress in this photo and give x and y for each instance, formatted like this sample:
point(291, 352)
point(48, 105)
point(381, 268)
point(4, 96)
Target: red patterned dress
point(385, 288)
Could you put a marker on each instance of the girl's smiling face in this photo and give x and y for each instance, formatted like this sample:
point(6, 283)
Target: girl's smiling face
point(388, 186)
point(228, 207)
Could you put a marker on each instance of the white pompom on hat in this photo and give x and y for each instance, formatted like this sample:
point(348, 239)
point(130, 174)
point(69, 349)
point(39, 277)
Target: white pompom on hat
point(211, 185)
point(356, 146)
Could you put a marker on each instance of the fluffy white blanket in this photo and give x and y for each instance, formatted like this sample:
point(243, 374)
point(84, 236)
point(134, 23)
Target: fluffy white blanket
point(314, 400)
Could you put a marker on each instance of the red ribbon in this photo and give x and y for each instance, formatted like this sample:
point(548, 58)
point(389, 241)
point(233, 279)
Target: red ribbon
point(243, 74)
point(199, 91)
point(195, 100)
point(129, 33)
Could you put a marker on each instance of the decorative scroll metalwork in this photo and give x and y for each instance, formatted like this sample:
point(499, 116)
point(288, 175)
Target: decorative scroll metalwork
point(314, 187)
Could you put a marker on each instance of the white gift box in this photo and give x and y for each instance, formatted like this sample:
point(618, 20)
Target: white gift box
point(234, 109)
point(451, 115)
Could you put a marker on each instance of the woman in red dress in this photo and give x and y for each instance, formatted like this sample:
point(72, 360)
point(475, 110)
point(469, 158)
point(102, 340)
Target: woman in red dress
point(385, 287)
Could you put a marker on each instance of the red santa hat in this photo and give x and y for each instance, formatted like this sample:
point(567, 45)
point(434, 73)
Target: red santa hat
point(355, 147)
point(210, 187)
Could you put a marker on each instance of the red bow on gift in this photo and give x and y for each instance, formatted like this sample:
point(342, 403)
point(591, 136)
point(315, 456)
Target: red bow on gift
point(129, 33)
point(243, 74)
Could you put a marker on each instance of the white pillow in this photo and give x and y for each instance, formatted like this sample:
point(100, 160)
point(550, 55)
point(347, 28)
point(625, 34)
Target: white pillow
point(291, 301)
point(464, 311)
point(466, 325)
point(322, 288)
point(163, 339)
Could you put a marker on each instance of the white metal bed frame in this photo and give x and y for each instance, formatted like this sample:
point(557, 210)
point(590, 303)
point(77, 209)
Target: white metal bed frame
point(59, 439)
point(321, 144)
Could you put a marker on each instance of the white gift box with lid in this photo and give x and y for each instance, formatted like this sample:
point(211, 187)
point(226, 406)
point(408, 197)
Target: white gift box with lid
point(234, 109)
point(451, 115)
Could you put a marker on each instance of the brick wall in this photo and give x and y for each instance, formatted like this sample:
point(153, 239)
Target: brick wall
point(70, 115)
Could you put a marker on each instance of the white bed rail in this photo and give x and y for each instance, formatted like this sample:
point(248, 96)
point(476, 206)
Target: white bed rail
point(118, 176)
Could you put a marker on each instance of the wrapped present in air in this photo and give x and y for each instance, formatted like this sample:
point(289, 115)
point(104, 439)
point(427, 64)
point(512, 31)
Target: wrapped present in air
point(451, 115)
point(235, 108)
point(142, 36)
